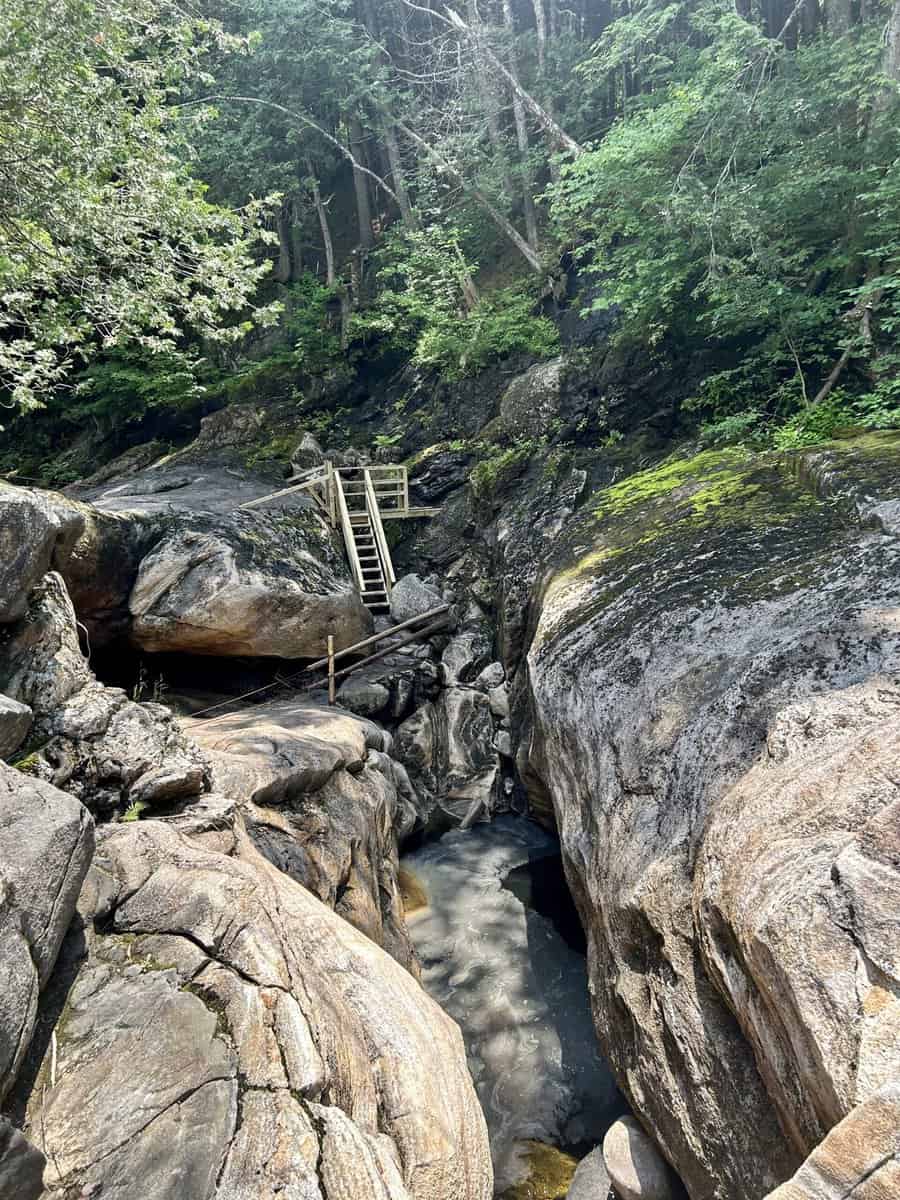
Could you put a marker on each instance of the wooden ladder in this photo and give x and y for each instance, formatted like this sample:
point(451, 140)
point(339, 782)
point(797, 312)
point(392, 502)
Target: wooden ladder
point(364, 537)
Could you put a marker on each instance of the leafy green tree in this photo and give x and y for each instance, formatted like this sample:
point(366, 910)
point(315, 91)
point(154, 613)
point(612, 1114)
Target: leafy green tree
point(744, 198)
point(105, 238)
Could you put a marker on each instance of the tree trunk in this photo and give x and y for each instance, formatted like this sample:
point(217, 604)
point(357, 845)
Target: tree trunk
point(487, 91)
point(321, 213)
point(503, 224)
point(360, 186)
point(540, 25)
point(528, 206)
point(544, 119)
point(892, 44)
point(397, 174)
point(296, 238)
point(389, 132)
point(283, 224)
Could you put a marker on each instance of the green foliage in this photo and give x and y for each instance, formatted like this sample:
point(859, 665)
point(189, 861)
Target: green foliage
point(104, 237)
point(501, 467)
point(501, 324)
point(130, 382)
point(747, 199)
point(310, 325)
point(740, 427)
point(427, 307)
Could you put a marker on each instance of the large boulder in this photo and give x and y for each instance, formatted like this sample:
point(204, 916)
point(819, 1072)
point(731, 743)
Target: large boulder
point(105, 749)
point(447, 746)
point(229, 1036)
point(21, 1165)
point(532, 400)
point(15, 724)
point(250, 584)
point(859, 1158)
point(46, 842)
point(713, 694)
point(323, 802)
point(412, 597)
point(37, 532)
point(637, 1170)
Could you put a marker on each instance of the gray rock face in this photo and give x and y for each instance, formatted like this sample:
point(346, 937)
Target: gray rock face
point(215, 968)
point(102, 747)
point(637, 1170)
point(860, 1157)
point(715, 688)
point(591, 1178)
point(268, 585)
point(323, 803)
point(411, 597)
point(46, 842)
point(447, 747)
point(532, 399)
point(466, 654)
point(364, 697)
point(307, 454)
point(21, 1165)
point(37, 532)
point(15, 724)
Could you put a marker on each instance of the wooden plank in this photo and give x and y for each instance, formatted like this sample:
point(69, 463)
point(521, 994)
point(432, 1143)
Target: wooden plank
point(389, 514)
point(384, 552)
point(349, 538)
point(441, 610)
point(373, 658)
point(288, 491)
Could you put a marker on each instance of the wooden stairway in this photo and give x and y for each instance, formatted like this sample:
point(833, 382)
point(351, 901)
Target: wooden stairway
point(359, 500)
point(367, 547)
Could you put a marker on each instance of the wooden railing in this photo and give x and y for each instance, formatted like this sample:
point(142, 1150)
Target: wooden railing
point(347, 529)
point(384, 553)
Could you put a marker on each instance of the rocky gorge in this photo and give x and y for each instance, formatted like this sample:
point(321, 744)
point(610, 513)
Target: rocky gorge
point(683, 662)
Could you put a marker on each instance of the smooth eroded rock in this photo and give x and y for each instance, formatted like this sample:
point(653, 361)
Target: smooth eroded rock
point(859, 1158)
point(636, 1168)
point(326, 805)
point(104, 748)
point(713, 703)
point(591, 1178)
point(206, 969)
point(270, 585)
point(15, 723)
point(46, 843)
point(37, 533)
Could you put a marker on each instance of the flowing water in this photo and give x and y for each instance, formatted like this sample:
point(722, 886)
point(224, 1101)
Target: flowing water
point(502, 953)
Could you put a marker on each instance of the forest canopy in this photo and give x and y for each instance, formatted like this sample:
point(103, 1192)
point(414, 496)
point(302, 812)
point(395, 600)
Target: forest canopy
point(720, 176)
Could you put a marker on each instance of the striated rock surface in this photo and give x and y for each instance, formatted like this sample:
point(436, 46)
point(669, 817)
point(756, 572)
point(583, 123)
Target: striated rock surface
point(714, 705)
point(21, 1165)
point(15, 724)
point(323, 802)
point(37, 532)
point(102, 747)
point(447, 746)
point(860, 1157)
point(637, 1170)
point(46, 842)
point(251, 584)
point(279, 1051)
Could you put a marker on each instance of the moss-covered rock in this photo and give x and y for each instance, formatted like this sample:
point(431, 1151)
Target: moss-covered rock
point(711, 702)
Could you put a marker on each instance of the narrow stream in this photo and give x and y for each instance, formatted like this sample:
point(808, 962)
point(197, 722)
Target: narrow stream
point(503, 953)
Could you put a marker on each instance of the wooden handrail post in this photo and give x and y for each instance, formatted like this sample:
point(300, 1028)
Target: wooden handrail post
point(332, 694)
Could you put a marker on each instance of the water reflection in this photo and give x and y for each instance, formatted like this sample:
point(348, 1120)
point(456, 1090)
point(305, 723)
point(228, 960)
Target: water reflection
point(517, 989)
